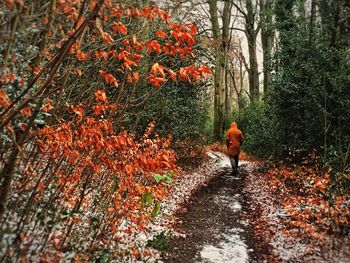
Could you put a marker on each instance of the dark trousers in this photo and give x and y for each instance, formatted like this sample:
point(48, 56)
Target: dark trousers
point(234, 163)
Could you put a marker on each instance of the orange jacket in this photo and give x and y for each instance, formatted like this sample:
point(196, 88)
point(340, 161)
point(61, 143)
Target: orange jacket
point(234, 139)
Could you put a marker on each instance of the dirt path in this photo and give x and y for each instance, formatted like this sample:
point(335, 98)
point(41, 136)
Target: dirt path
point(213, 224)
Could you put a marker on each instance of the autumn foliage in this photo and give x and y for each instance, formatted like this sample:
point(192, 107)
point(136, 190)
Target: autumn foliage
point(312, 199)
point(80, 183)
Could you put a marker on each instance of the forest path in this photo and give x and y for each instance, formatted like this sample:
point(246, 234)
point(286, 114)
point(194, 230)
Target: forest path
point(214, 223)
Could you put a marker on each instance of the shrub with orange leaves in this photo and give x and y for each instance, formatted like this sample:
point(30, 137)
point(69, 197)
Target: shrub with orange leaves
point(82, 184)
point(92, 187)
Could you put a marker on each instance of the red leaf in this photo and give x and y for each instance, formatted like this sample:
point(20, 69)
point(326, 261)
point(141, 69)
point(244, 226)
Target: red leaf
point(156, 81)
point(129, 169)
point(104, 55)
point(11, 76)
point(78, 110)
point(172, 74)
point(193, 29)
point(120, 27)
point(136, 76)
point(47, 106)
point(36, 70)
point(161, 34)
point(107, 38)
point(4, 99)
point(158, 70)
point(101, 96)
point(82, 56)
point(153, 46)
point(26, 112)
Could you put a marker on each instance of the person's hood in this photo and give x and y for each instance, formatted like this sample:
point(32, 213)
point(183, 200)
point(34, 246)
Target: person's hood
point(234, 125)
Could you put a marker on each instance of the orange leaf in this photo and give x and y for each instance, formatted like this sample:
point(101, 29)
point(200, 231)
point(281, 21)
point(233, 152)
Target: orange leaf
point(109, 78)
point(158, 70)
point(79, 72)
point(153, 46)
point(82, 56)
point(104, 55)
point(129, 62)
point(101, 96)
point(78, 110)
point(98, 109)
point(4, 99)
point(136, 76)
point(120, 27)
point(135, 42)
point(172, 74)
point(107, 38)
point(129, 169)
point(10, 3)
point(47, 106)
point(36, 70)
point(161, 34)
point(136, 57)
point(156, 81)
point(26, 111)
point(129, 79)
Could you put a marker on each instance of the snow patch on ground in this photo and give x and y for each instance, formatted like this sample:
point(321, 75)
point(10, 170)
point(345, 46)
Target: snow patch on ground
point(229, 201)
point(231, 249)
point(221, 159)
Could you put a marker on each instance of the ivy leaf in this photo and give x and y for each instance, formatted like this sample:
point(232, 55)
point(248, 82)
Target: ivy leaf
point(167, 179)
point(147, 199)
point(158, 177)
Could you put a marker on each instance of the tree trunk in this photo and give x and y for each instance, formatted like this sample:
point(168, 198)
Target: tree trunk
point(253, 70)
point(267, 38)
point(225, 46)
point(219, 86)
point(251, 34)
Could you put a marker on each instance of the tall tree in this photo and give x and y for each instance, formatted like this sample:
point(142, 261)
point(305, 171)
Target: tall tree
point(249, 10)
point(221, 37)
point(267, 38)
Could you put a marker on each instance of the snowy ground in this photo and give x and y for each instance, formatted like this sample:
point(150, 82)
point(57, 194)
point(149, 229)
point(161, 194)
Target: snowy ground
point(213, 224)
point(215, 217)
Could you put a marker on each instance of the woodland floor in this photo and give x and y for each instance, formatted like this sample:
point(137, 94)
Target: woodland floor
point(214, 223)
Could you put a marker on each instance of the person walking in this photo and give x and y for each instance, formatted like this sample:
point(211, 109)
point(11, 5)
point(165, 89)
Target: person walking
point(234, 139)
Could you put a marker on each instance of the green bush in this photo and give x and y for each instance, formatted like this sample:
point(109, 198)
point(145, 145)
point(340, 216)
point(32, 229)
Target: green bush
point(258, 129)
point(180, 109)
